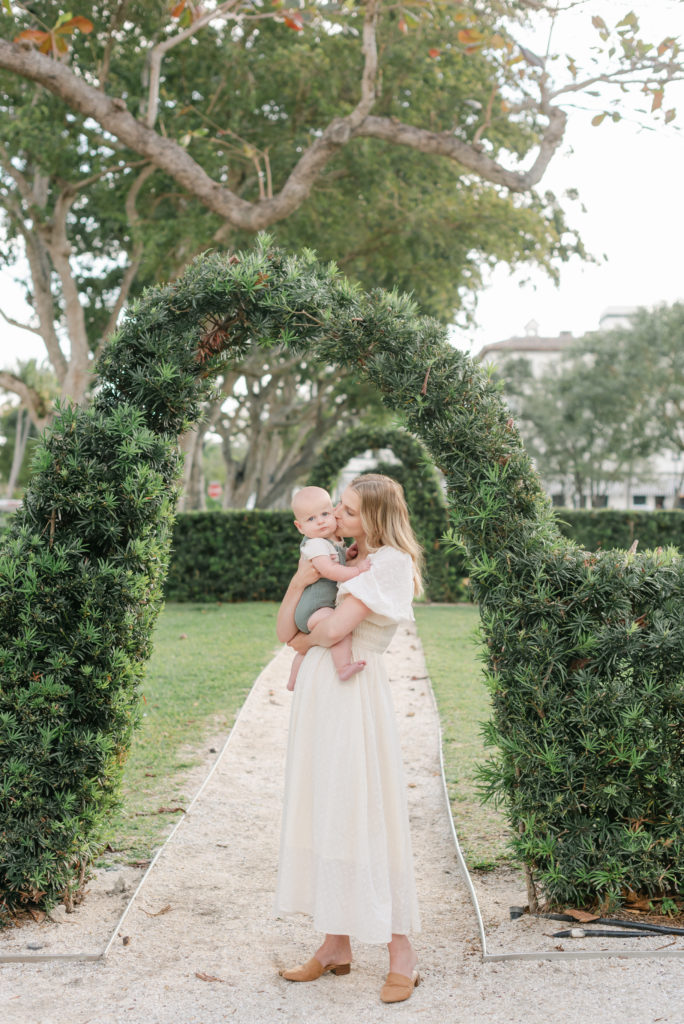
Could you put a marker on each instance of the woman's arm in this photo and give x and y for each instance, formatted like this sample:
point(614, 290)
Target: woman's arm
point(330, 631)
point(285, 623)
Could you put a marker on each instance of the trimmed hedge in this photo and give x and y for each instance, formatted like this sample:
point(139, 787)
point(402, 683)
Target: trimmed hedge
point(595, 529)
point(232, 556)
point(251, 555)
point(584, 652)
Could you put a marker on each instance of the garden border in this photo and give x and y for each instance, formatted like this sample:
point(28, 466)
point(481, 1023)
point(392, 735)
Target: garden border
point(486, 957)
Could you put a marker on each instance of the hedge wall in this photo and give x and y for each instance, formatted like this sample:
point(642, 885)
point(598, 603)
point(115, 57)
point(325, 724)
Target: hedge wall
point(596, 529)
point(232, 556)
point(251, 555)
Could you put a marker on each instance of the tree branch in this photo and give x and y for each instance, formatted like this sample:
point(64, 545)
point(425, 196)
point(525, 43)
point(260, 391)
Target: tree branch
point(23, 187)
point(135, 260)
point(158, 52)
point(57, 243)
point(29, 398)
point(166, 154)
point(39, 266)
point(15, 323)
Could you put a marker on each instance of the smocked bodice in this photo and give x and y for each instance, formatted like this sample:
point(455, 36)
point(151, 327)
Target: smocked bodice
point(369, 636)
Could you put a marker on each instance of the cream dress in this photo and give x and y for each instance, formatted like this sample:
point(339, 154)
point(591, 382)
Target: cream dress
point(345, 850)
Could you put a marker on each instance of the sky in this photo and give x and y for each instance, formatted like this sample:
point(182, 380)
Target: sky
point(630, 182)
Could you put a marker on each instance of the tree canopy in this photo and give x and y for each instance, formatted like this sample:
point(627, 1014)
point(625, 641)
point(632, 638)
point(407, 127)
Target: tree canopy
point(404, 141)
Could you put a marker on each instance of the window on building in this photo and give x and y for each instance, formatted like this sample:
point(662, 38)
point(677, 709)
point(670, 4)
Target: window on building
point(680, 501)
point(660, 501)
point(599, 501)
point(558, 500)
point(638, 499)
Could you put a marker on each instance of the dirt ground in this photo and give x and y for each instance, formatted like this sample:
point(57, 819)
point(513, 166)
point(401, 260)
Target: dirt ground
point(200, 945)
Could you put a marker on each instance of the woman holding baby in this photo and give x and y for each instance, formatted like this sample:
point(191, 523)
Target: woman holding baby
point(345, 855)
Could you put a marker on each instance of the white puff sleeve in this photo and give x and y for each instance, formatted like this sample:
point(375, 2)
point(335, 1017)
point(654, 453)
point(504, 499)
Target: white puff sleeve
point(312, 547)
point(386, 588)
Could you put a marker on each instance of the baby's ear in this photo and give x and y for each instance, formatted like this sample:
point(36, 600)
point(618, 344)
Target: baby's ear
point(299, 526)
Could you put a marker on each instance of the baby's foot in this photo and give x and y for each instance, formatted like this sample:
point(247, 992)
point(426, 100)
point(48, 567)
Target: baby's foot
point(351, 669)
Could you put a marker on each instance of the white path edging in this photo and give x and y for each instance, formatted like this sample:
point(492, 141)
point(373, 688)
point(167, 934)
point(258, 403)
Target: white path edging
point(508, 957)
point(46, 958)
point(487, 957)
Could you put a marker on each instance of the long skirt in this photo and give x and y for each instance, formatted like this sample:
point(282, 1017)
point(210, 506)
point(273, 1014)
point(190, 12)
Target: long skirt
point(345, 853)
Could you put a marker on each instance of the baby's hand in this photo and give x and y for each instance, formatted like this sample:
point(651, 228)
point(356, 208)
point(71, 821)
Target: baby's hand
point(364, 565)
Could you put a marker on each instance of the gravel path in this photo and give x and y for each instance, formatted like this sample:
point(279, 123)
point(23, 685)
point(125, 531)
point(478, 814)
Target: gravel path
point(199, 945)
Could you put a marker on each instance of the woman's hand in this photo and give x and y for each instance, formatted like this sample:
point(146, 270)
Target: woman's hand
point(306, 573)
point(300, 643)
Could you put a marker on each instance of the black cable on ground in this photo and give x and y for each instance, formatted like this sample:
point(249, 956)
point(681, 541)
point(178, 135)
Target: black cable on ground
point(659, 929)
point(599, 933)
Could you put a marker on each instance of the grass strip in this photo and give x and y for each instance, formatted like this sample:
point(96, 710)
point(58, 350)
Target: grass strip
point(448, 636)
point(205, 659)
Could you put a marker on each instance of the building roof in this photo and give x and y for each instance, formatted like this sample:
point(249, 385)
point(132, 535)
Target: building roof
point(528, 343)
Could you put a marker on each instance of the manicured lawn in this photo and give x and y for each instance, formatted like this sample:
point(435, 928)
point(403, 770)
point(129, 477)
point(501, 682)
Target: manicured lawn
point(206, 657)
point(447, 633)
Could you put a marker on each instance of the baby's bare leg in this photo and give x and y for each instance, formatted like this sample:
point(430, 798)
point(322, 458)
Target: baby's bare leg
point(342, 651)
point(298, 659)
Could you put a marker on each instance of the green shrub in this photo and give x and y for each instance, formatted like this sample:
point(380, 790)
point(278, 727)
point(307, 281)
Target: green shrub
point(585, 653)
point(232, 556)
point(606, 528)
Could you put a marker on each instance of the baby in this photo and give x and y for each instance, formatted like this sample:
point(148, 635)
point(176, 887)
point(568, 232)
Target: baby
point(315, 518)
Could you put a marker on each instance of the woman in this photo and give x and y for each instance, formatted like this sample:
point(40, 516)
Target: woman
point(345, 855)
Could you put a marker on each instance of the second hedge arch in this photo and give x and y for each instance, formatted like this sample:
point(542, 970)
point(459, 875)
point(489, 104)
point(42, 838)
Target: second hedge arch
point(585, 653)
point(444, 569)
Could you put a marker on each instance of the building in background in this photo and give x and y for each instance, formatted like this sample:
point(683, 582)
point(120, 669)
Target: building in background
point(659, 487)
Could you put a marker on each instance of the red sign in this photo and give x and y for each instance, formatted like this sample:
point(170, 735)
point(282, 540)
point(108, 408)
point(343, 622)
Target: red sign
point(214, 489)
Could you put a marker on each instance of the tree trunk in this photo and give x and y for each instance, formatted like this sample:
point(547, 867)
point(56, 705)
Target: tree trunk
point(195, 497)
point(21, 437)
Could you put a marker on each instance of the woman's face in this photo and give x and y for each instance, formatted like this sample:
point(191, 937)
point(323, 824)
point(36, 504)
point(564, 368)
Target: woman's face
point(348, 514)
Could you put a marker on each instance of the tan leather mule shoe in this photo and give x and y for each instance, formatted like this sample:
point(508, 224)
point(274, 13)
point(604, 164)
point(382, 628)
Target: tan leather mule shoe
point(312, 970)
point(398, 987)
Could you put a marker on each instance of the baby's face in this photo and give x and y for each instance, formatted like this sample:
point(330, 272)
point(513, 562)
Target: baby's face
point(317, 519)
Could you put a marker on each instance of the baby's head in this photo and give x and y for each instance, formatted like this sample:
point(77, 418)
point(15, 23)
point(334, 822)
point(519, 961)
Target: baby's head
point(314, 514)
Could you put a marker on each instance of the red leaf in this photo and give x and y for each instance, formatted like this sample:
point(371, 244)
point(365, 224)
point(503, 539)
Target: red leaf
point(32, 35)
point(657, 100)
point(85, 25)
point(178, 9)
point(403, 27)
point(294, 21)
point(433, 52)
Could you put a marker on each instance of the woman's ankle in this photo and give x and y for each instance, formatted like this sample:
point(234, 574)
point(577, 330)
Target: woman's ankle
point(403, 957)
point(335, 949)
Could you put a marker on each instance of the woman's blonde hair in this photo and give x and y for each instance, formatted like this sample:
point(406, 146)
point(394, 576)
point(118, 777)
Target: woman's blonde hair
point(385, 519)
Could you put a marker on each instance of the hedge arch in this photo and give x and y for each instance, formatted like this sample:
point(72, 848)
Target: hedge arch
point(585, 652)
point(444, 569)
